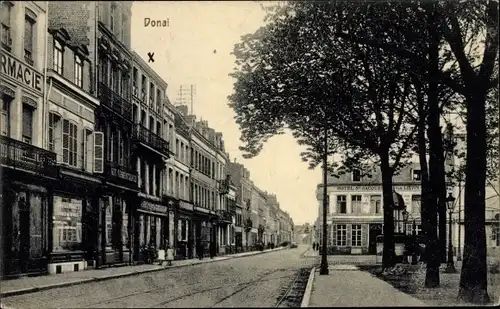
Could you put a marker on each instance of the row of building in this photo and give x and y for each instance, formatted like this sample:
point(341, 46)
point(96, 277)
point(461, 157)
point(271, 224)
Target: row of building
point(97, 164)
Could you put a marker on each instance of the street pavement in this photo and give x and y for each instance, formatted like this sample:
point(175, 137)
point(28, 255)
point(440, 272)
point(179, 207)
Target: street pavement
point(250, 281)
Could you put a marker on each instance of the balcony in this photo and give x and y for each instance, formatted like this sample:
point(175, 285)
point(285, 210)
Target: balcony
point(22, 156)
point(115, 102)
point(120, 174)
point(148, 138)
point(225, 216)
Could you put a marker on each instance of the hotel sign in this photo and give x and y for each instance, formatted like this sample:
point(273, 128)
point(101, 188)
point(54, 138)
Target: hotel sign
point(21, 72)
point(375, 188)
point(148, 206)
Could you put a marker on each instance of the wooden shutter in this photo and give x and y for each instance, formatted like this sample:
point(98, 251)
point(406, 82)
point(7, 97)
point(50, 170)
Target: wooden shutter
point(334, 234)
point(98, 152)
point(348, 235)
point(89, 148)
point(65, 141)
point(364, 235)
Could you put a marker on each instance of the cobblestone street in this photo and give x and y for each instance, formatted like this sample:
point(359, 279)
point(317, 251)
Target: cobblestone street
point(254, 281)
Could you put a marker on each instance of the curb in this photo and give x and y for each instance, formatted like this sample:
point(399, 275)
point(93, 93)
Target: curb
point(307, 294)
point(116, 276)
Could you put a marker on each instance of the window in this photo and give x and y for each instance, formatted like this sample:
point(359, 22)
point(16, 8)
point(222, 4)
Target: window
point(29, 24)
point(103, 68)
point(58, 57)
point(27, 124)
point(5, 20)
point(67, 224)
point(115, 82)
point(151, 94)
point(356, 204)
point(341, 235)
point(78, 71)
point(53, 126)
point(143, 89)
point(375, 204)
point(415, 204)
point(112, 18)
point(5, 120)
point(416, 175)
point(70, 146)
point(134, 83)
point(356, 175)
point(356, 235)
point(418, 229)
point(341, 204)
point(495, 234)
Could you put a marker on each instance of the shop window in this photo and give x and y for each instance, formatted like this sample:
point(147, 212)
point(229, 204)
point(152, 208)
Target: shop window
point(416, 175)
point(67, 224)
point(27, 124)
point(109, 223)
point(341, 235)
point(341, 204)
point(125, 226)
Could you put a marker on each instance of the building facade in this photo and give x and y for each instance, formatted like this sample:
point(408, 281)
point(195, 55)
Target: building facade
point(28, 170)
point(240, 176)
point(150, 152)
point(355, 209)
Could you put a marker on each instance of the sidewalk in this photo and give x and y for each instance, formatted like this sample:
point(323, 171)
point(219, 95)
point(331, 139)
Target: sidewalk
point(349, 287)
point(33, 284)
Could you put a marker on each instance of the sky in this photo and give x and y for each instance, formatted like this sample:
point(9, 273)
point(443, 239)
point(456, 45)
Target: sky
point(196, 49)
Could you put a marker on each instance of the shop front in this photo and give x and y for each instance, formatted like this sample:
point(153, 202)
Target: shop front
point(205, 231)
point(152, 228)
point(185, 230)
point(74, 194)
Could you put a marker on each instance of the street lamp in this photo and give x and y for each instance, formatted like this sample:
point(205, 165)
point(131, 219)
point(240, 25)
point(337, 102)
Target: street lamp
point(323, 270)
point(450, 266)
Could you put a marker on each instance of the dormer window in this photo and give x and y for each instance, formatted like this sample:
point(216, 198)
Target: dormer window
point(58, 57)
point(416, 175)
point(78, 71)
point(356, 175)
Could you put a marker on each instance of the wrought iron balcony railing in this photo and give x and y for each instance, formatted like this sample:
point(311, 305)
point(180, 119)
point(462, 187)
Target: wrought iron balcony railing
point(146, 136)
point(20, 155)
point(115, 102)
point(224, 215)
point(121, 173)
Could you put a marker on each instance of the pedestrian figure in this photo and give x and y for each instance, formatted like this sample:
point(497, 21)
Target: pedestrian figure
point(170, 255)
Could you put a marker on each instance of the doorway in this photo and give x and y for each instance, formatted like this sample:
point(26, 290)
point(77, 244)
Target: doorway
point(375, 230)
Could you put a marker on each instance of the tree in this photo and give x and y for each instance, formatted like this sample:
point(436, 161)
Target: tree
point(294, 72)
point(473, 79)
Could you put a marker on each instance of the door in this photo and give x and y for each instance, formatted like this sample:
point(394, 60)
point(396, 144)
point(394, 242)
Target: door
point(375, 230)
point(24, 234)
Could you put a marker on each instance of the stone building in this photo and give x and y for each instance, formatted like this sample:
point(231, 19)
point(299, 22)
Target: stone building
point(355, 209)
point(27, 168)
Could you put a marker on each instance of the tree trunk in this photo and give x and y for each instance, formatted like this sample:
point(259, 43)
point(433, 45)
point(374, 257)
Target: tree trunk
point(436, 157)
point(428, 210)
point(473, 278)
point(388, 255)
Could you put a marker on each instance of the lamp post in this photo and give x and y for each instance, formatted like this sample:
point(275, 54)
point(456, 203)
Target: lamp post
point(405, 219)
point(450, 265)
point(323, 270)
point(415, 243)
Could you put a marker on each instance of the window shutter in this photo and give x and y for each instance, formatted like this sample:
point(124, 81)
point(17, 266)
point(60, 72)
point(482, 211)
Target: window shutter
point(65, 141)
point(348, 235)
point(89, 158)
point(364, 235)
point(98, 152)
point(334, 234)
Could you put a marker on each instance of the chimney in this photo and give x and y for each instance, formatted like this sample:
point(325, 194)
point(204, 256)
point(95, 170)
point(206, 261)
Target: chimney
point(183, 109)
